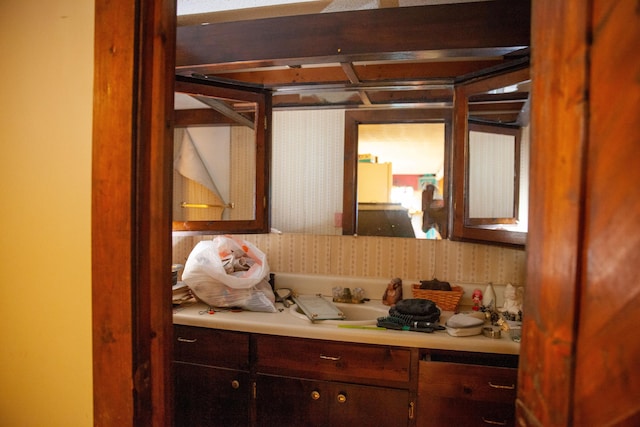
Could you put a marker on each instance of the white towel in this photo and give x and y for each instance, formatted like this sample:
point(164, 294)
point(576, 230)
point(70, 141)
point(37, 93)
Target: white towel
point(189, 163)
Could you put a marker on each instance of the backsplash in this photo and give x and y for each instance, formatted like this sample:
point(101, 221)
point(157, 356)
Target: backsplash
point(380, 257)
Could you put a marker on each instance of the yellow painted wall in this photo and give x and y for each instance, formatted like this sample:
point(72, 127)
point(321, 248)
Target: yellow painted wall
point(46, 70)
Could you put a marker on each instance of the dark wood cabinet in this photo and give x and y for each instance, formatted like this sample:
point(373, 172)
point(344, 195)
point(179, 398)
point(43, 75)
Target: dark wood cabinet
point(208, 396)
point(465, 394)
point(242, 379)
point(212, 382)
point(288, 401)
point(303, 382)
point(334, 360)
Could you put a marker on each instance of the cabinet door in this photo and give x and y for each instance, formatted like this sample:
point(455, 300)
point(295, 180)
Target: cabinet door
point(206, 396)
point(357, 405)
point(295, 402)
point(291, 402)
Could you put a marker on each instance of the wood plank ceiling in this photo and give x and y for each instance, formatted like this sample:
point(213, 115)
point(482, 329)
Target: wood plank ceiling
point(377, 58)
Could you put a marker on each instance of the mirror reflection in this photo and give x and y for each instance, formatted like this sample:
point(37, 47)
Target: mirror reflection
point(400, 176)
point(221, 158)
point(214, 164)
point(493, 173)
point(315, 162)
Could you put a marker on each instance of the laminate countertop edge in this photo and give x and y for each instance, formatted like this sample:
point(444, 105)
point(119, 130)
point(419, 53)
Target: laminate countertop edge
point(282, 323)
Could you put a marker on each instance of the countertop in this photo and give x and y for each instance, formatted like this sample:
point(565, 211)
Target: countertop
point(285, 324)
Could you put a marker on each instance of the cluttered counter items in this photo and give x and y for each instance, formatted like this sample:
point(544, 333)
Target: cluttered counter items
point(230, 272)
point(283, 323)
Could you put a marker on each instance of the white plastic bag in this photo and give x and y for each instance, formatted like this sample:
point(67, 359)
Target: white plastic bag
point(229, 272)
point(257, 298)
point(206, 259)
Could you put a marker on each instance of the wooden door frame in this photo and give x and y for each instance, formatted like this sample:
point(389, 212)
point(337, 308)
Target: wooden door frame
point(582, 248)
point(559, 133)
point(134, 63)
point(131, 247)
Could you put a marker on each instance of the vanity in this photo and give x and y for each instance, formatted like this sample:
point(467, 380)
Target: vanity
point(254, 369)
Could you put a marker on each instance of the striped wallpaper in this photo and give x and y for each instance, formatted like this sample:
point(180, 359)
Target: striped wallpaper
point(380, 257)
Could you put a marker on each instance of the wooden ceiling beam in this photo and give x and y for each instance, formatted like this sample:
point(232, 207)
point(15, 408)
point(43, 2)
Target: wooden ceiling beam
point(201, 117)
point(270, 77)
point(402, 33)
point(441, 97)
point(347, 67)
point(224, 109)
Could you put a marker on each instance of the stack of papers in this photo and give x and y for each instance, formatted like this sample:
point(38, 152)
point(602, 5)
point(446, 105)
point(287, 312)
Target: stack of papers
point(181, 293)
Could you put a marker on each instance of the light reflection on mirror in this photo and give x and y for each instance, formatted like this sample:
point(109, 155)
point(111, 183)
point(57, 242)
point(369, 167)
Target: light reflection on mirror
point(214, 164)
point(396, 164)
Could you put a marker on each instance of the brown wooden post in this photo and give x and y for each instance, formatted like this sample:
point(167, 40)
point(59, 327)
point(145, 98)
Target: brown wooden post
point(131, 227)
point(579, 351)
point(608, 347)
point(558, 130)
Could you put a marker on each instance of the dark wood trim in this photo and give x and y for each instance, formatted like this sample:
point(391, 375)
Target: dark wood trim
point(462, 93)
point(201, 117)
point(394, 74)
point(131, 239)
point(405, 32)
point(262, 99)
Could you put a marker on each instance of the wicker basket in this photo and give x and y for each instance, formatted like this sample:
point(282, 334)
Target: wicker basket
point(446, 300)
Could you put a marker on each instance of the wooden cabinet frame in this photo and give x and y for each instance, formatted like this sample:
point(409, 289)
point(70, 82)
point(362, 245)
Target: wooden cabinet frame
point(262, 98)
point(461, 227)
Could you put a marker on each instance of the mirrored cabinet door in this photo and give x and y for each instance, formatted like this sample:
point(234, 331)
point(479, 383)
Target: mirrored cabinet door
point(221, 158)
point(490, 159)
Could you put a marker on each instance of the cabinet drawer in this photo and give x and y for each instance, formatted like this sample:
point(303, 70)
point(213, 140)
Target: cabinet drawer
point(362, 363)
point(211, 347)
point(441, 412)
point(472, 382)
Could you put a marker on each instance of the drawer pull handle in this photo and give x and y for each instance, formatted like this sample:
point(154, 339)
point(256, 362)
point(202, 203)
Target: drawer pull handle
point(332, 358)
point(315, 395)
point(494, 423)
point(342, 398)
point(235, 384)
point(189, 340)
point(503, 387)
